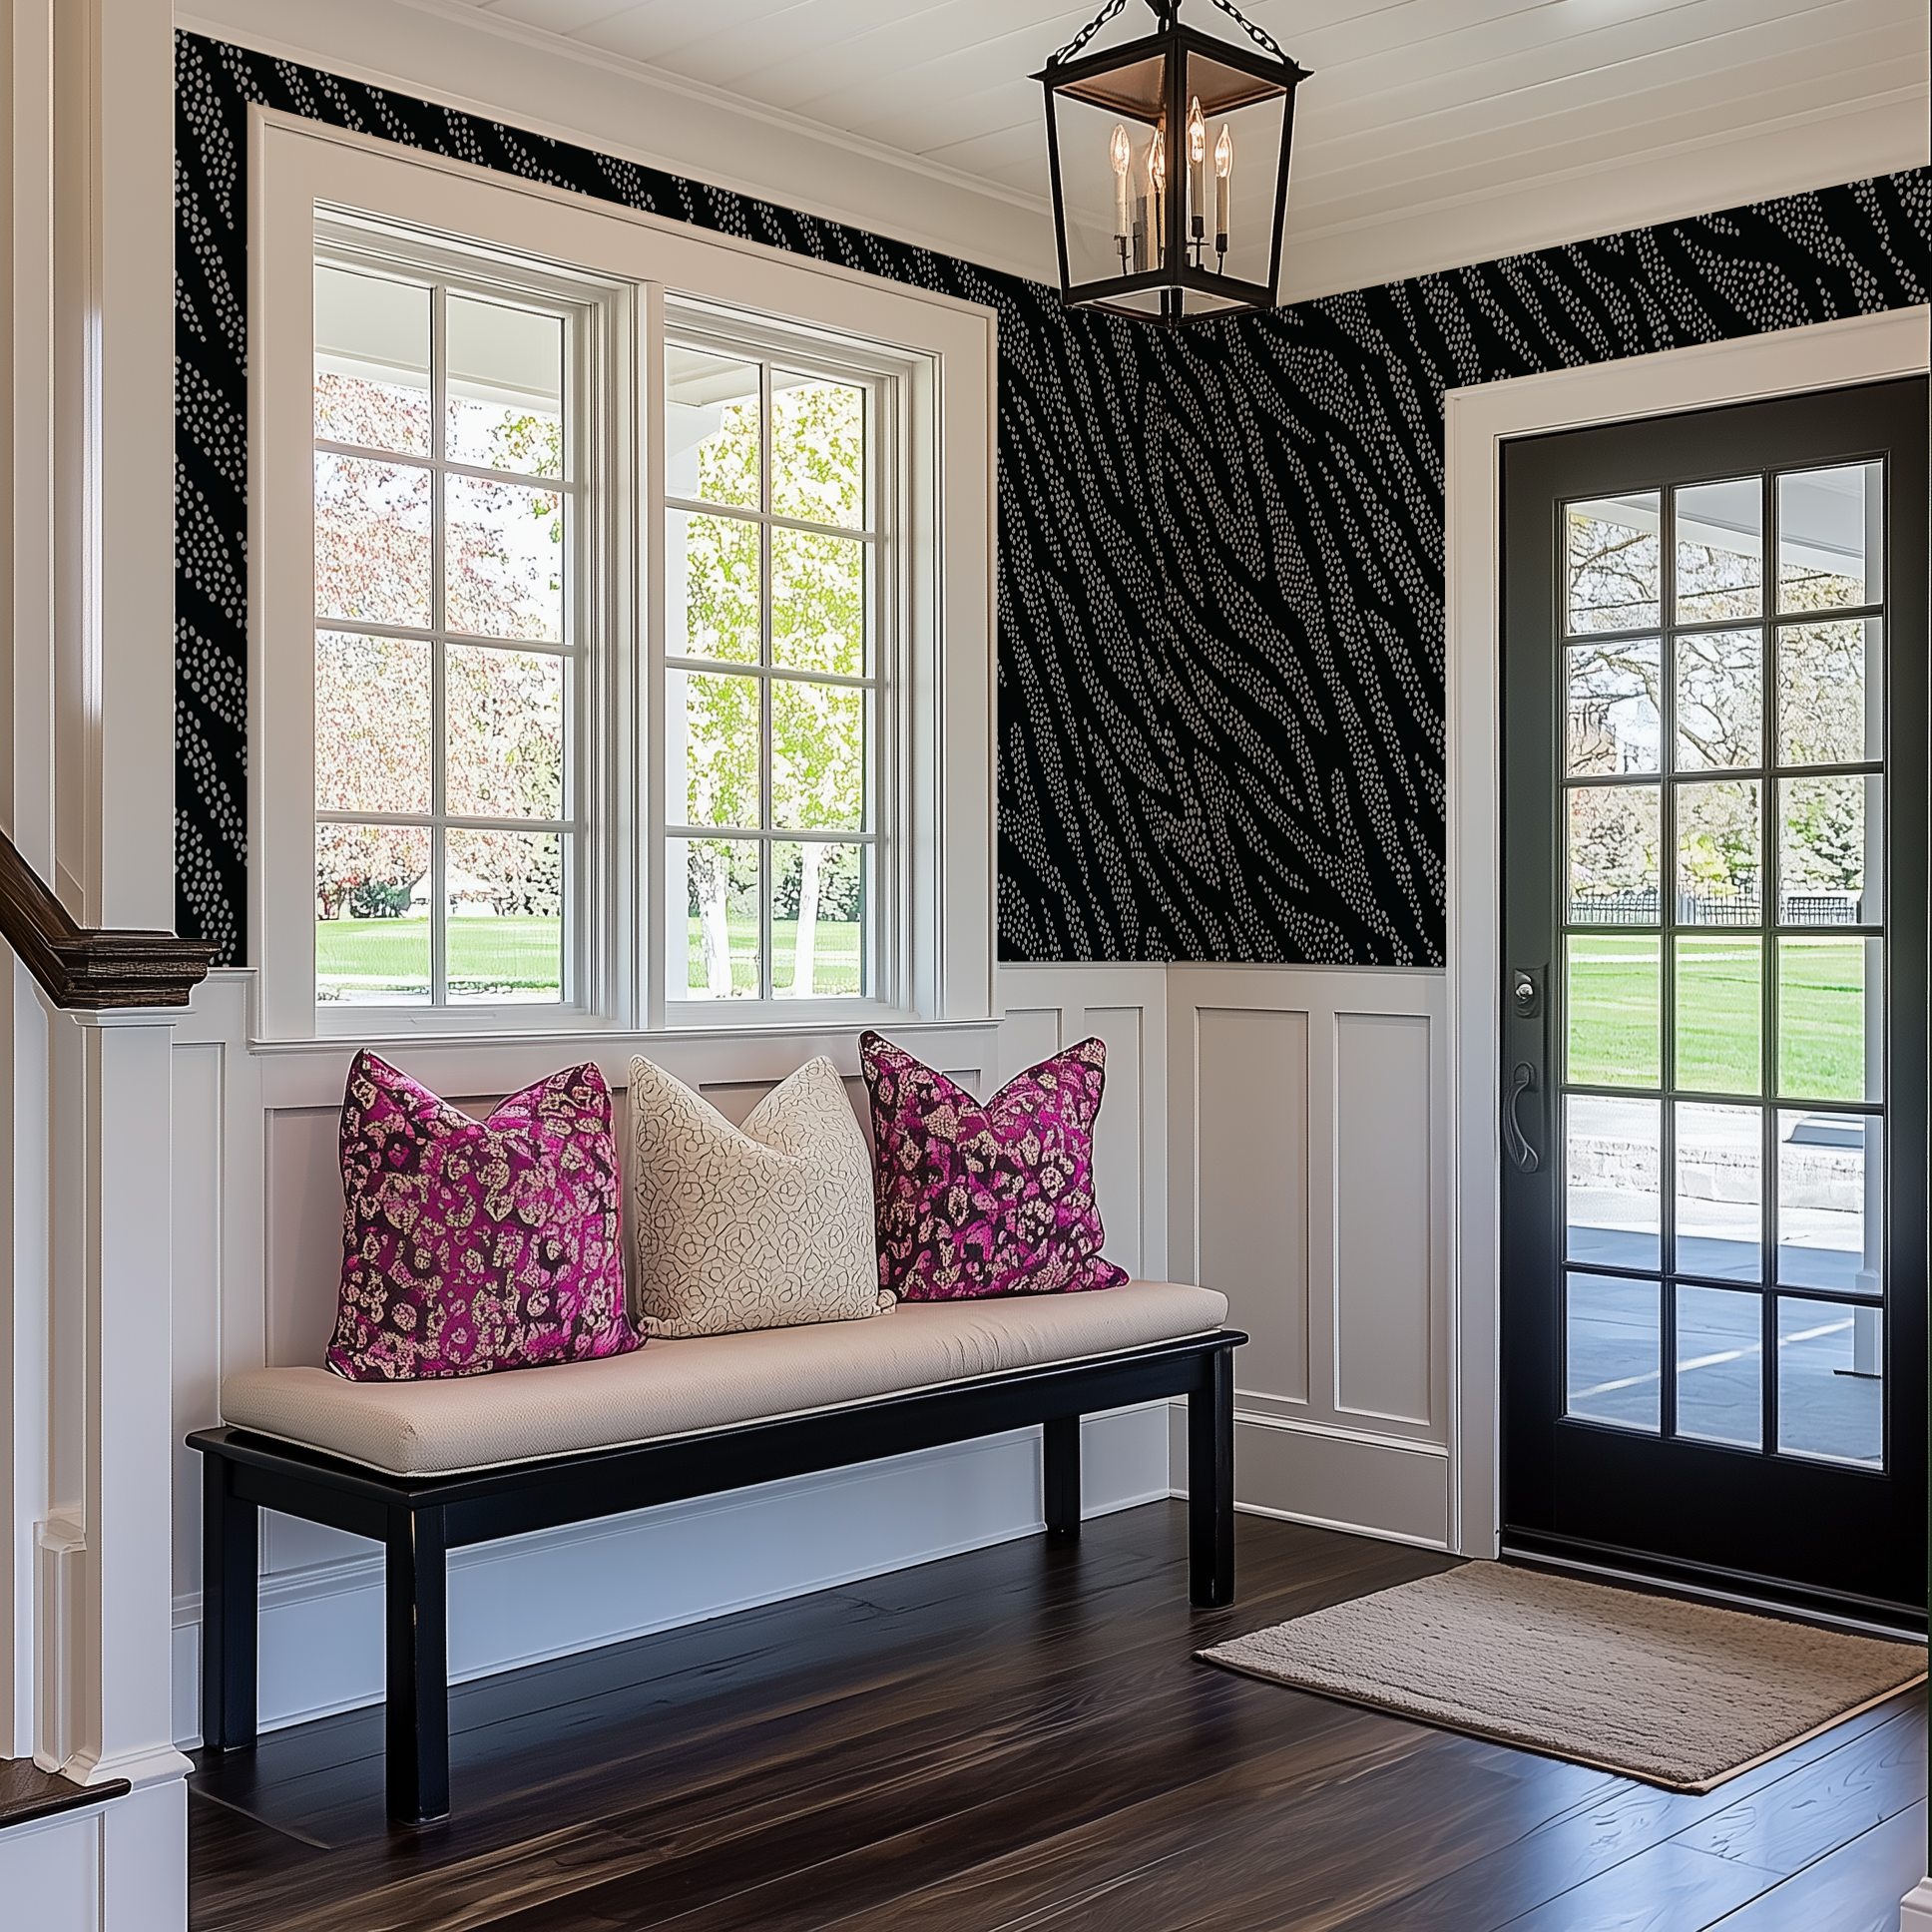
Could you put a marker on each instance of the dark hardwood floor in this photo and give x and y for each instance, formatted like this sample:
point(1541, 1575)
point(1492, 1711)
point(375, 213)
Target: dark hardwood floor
point(1021, 1739)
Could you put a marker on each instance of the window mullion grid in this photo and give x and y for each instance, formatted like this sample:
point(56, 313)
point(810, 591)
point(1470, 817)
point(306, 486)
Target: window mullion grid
point(1667, 857)
point(482, 472)
point(1772, 898)
point(576, 979)
point(767, 651)
point(438, 654)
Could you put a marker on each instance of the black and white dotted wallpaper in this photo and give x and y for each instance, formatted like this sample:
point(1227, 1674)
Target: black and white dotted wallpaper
point(1220, 583)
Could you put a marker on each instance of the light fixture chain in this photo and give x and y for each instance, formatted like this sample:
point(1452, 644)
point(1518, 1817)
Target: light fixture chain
point(1087, 33)
point(1258, 35)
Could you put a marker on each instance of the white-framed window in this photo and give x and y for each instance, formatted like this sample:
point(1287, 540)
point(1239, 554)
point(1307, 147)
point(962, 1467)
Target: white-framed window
point(593, 551)
point(781, 665)
point(453, 621)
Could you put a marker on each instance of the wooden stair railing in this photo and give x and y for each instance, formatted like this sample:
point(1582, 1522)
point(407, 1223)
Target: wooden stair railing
point(86, 967)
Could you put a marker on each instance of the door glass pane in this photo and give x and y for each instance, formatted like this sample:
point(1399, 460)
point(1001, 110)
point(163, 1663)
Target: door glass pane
point(371, 914)
point(506, 387)
point(1830, 1200)
point(1831, 859)
point(1717, 853)
point(1830, 706)
point(1612, 1161)
point(817, 450)
point(712, 586)
point(371, 361)
point(1610, 1009)
point(1721, 550)
point(1721, 699)
point(1719, 1013)
point(1720, 1190)
point(1614, 576)
point(1612, 703)
point(721, 948)
point(1611, 1353)
point(1830, 1380)
point(711, 427)
point(1830, 537)
point(1720, 1366)
point(1829, 1040)
point(505, 936)
point(817, 919)
point(1612, 855)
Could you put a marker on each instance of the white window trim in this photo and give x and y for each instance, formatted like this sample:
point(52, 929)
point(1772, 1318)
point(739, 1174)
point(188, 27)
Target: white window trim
point(898, 651)
point(944, 937)
point(599, 738)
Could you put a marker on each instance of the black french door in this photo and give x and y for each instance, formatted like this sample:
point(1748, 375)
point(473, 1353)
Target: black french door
point(1714, 1037)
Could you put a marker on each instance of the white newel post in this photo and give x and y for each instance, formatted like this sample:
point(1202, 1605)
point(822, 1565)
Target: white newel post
point(126, 1728)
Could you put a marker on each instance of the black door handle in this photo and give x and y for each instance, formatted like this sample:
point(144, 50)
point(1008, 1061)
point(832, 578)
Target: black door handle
point(1522, 1081)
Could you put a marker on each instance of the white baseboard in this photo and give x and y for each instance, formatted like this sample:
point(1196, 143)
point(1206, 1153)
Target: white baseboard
point(533, 1597)
point(1915, 1909)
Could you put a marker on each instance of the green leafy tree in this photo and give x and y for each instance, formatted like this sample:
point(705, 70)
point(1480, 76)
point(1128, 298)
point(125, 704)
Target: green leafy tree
point(818, 602)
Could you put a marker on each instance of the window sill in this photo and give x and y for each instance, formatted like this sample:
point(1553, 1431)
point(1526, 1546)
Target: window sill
point(594, 1040)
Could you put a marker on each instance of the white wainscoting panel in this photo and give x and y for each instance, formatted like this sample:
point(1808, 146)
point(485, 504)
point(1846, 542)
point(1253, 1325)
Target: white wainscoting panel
point(1388, 1331)
point(1249, 1091)
point(50, 1873)
point(1050, 1007)
point(1306, 1181)
point(257, 1231)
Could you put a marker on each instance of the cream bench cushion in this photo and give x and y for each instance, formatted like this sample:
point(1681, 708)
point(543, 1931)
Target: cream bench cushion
point(688, 1386)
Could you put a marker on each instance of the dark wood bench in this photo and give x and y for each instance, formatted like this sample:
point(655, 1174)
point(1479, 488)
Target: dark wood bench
point(419, 1518)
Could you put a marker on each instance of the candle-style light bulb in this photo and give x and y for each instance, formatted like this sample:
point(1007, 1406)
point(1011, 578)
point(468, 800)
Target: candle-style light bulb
point(1197, 177)
point(1157, 191)
point(1121, 153)
point(1223, 167)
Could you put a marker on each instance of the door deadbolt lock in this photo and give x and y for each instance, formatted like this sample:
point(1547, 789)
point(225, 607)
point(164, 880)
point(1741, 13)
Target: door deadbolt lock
point(1526, 993)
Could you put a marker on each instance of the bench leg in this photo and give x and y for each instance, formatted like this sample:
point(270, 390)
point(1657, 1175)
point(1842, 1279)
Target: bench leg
point(230, 1582)
point(1211, 1484)
point(416, 1579)
point(1060, 1443)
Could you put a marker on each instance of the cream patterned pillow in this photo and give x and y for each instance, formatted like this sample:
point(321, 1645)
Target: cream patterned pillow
point(759, 1226)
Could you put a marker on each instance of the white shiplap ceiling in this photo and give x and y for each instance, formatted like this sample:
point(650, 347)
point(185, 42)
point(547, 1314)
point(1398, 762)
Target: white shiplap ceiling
point(1435, 132)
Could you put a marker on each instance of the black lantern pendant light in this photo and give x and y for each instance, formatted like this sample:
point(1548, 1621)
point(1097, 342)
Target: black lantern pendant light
point(1170, 159)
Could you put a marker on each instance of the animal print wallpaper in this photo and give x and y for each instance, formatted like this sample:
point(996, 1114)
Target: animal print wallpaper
point(1220, 574)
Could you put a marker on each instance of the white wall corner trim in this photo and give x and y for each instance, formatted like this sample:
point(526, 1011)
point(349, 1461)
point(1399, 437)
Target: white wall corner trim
point(1477, 421)
point(460, 57)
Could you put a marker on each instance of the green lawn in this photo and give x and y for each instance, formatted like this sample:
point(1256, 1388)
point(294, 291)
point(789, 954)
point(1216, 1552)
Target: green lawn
point(1614, 1000)
point(367, 958)
point(364, 959)
point(835, 963)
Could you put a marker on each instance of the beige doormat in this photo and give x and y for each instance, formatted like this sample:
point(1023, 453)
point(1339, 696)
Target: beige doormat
point(1680, 1695)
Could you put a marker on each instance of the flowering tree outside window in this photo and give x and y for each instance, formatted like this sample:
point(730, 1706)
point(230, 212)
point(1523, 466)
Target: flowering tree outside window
point(445, 642)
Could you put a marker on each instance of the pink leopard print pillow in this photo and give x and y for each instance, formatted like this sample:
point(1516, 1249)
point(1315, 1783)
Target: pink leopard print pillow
point(977, 1201)
point(472, 1245)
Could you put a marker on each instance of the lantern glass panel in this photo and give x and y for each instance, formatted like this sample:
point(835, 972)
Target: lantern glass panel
point(1109, 170)
point(1243, 120)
